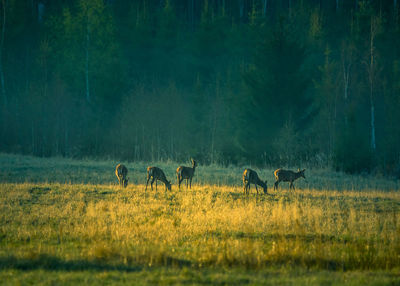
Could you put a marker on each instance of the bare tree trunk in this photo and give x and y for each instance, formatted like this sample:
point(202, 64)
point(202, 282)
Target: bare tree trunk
point(144, 145)
point(33, 138)
point(265, 8)
point(191, 12)
point(66, 140)
point(158, 144)
point(373, 142)
point(372, 71)
point(172, 145)
point(3, 31)
point(333, 130)
point(213, 132)
point(347, 54)
point(337, 5)
point(241, 9)
point(87, 62)
point(136, 155)
point(215, 118)
point(346, 81)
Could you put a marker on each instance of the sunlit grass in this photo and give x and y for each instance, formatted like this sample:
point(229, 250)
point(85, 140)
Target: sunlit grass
point(203, 227)
point(101, 227)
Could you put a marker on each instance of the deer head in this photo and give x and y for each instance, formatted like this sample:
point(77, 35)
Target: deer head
point(301, 173)
point(266, 187)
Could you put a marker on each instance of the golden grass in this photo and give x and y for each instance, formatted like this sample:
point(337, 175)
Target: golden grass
point(65, 221)
point(208, 226)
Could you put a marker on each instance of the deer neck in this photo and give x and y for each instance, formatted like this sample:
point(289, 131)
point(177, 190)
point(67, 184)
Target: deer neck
point(164, 179)
point(260, 183)
point(161, 176)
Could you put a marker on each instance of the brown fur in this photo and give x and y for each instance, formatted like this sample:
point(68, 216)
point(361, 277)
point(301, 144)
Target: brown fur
point(187, 173)
point(287, 176)
point(121, 172)
point(156, 174)
point(251, 177)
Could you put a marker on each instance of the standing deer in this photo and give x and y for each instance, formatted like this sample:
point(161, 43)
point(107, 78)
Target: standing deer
point(156, 174)
point(186, 173)
point(251, 177)
point(287, 176)
point(121, 172)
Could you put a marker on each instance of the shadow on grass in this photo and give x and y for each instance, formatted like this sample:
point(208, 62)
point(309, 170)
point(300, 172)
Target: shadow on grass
point(48, 262)
point(308, 238)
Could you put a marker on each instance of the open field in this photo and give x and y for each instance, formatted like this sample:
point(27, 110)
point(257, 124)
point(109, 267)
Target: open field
point(66, 221)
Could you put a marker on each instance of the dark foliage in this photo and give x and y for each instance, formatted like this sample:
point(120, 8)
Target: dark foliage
point(289, 83)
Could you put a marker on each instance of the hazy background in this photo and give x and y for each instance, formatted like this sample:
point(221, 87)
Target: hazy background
point(265, 82)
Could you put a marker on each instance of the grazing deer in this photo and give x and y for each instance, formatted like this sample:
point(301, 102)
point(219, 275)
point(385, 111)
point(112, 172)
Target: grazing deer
point(251, 176)
point(156, 174)
point(186, 173)
point(287, 176)
point(121, 172)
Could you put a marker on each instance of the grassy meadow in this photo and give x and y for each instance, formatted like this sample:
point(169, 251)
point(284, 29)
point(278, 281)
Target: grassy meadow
point(67, 222)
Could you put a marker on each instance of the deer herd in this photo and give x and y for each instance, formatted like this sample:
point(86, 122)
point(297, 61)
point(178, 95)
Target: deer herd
point(186, 173)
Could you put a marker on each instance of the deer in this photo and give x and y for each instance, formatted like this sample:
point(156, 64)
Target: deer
point(156, 174)
point(251, 177)
point(287, 176)
point(121, 172)
point(187, 173)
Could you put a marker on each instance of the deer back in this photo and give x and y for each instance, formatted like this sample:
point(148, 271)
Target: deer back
point(186, 172)
point(252, 176)
point(287, 175)
point(156, 173)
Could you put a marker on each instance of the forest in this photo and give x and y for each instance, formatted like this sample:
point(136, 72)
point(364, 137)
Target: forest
point(265, 82)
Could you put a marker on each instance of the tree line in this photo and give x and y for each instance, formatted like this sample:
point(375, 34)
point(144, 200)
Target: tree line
point(277, 83)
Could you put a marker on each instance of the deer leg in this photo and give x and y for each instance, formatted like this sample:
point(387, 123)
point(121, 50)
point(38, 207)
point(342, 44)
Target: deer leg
point(276, 185)
point(151, 183)
point(190, 182)
point(156, 185)
point(148, 179)
point(290, 185)
point(256, 188)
